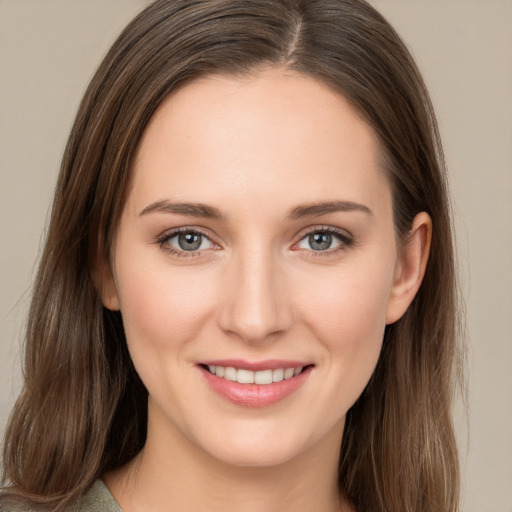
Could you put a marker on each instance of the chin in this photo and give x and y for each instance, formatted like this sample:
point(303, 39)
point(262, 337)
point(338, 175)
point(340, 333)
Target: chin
point(255, 455)
point(260, 444)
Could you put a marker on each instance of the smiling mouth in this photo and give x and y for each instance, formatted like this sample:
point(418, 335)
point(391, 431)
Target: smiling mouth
point(261, 377)
point(255, 384)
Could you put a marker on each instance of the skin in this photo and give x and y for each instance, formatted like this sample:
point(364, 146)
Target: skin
point(255, 149)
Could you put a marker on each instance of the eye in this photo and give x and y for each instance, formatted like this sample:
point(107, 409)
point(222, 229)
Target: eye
point(324, 240)
point(185, 241)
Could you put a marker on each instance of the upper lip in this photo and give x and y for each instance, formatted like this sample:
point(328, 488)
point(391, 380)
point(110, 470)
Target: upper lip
point(267, 364)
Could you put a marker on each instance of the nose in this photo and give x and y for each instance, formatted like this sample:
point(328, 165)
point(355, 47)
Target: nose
point(255, 305)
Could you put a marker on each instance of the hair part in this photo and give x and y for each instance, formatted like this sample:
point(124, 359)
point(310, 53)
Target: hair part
point(399, 451)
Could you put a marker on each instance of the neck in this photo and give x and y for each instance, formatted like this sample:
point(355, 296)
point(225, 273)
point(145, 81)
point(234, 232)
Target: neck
point(171, 473)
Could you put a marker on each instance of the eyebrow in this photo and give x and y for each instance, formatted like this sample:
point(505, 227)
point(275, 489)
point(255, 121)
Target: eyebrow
point(322, 208)
point(210, 212)
point(192, 209)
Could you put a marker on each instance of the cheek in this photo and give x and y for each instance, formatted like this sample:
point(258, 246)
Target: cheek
point(348, 316)
point(350, 303)
point(163, 312)
point(162, 309)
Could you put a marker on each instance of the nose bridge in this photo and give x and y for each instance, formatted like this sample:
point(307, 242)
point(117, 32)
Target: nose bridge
point(255, 304)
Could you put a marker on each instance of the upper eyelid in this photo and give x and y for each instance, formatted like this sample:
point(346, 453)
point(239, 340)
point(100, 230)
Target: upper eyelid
point(304, 231)
point(319, 228)
point(165, 236)
point(343, 233)
point(163, 241)
point(169, 233)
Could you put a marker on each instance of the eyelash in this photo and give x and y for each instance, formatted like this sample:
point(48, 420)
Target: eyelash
point(345, 240)
point(165, 237)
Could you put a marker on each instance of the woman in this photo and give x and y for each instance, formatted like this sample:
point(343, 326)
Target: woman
point(247, 295)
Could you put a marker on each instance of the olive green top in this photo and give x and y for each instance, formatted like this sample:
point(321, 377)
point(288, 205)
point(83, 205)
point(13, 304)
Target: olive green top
point(96, 499)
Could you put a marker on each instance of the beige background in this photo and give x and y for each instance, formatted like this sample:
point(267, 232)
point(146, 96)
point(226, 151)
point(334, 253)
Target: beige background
point(50, 48)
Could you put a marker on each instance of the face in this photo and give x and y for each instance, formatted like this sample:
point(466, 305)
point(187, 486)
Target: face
point(256, 244)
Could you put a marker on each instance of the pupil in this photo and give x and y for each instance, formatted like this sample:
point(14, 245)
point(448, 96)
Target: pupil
point(189, 241)
point(320, 241)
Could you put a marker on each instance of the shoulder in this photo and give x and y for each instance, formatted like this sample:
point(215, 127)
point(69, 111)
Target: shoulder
point(8, 505)
point(96, 499)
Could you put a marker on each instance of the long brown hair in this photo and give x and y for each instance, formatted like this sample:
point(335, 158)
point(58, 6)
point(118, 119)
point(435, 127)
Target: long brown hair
point(82, 410)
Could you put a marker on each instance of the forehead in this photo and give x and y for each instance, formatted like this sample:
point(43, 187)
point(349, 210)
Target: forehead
point(276, 135)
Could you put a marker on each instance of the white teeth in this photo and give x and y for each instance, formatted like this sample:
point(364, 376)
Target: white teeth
point(230, 373)
point(288, 373)
point(261, 377)
point(245, 376)
point(278, 375)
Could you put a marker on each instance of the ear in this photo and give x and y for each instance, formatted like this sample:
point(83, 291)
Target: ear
point(104, 281)
point(410, 267)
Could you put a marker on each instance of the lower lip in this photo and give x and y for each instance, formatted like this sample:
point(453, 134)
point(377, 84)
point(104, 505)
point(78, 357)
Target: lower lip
point(255, 395)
